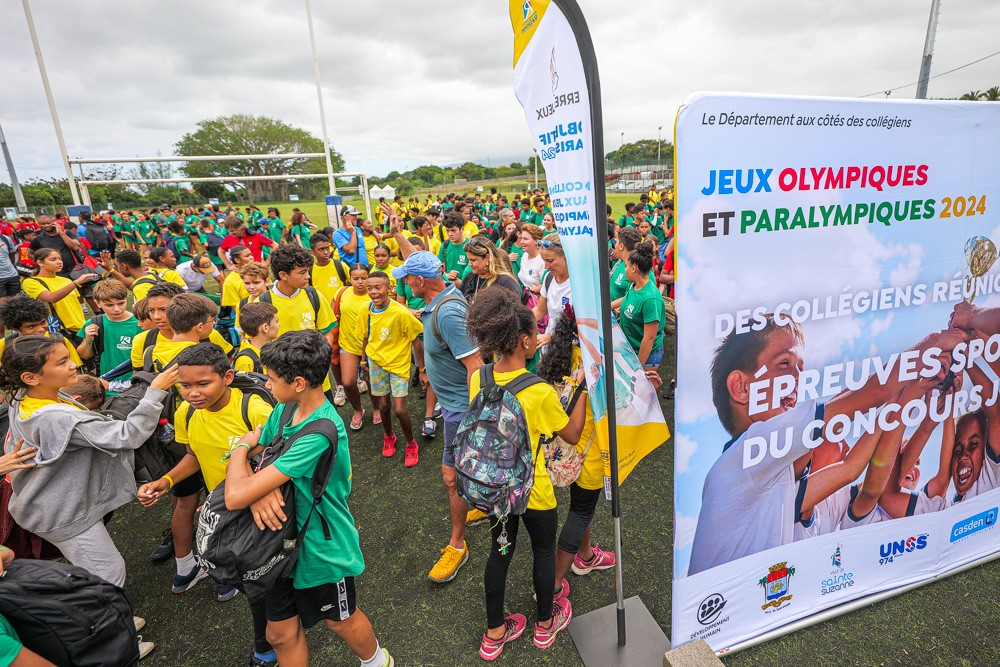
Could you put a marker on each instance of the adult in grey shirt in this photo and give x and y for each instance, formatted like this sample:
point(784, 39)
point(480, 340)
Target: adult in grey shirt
point(448, 363)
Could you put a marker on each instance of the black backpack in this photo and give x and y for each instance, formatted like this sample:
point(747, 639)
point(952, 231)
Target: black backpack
point(250, 384)
point(160, 452)
point(68, 616)
point(98, 237)
point(435, 327)
point(238, 553)
point(258, 365)
point(212, 242)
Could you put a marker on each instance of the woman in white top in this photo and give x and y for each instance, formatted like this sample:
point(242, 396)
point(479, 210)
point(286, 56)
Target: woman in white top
point(532, 265)
point(555, 292)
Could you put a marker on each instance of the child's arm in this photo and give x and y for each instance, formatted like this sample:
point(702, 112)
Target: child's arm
point(824, 483)
point(571, 432)
point(938, 484)
point(242, 487)
point(980, 378)
point(878, 474)
point(149, 493)
point(130, 433)
point(66, 290)
point(649, 331)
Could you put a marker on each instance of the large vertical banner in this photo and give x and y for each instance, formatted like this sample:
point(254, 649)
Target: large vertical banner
point(838, 421)
point(550, 83)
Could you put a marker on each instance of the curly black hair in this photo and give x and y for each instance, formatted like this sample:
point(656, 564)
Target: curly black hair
point(557, 362)
point(304, 354)
point(287, 258)
point(497, 320)
point(21, 309)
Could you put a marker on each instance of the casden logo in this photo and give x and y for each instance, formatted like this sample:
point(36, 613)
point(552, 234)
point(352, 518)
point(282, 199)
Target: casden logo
point(710, 608)
point(897, 548)
point(974, 524)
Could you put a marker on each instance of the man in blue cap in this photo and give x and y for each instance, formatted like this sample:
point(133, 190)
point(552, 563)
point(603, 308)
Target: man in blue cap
point(349, 240)
point(450, 357)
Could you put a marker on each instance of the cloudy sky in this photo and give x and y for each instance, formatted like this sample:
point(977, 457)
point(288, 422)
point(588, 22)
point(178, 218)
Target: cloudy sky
point(414, 82)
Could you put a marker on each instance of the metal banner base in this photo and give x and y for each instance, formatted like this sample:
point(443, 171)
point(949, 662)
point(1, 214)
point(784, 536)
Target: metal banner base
point(596, 637)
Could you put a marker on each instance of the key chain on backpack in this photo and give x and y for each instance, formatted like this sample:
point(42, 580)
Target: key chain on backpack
point(502, 538)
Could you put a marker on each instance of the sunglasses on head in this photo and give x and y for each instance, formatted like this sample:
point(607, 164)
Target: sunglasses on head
point(550, 244)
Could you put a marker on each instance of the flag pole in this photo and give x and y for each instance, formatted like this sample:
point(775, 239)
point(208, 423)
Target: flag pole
point(574, 16)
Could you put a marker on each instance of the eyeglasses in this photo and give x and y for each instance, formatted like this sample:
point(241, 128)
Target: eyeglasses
point(550, 244)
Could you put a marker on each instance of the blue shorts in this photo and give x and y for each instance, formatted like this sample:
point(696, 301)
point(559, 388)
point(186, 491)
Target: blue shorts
point(451, 422)
point(655, 357)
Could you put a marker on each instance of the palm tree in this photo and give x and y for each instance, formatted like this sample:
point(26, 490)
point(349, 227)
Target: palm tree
point(992, 95)
point(973, 96)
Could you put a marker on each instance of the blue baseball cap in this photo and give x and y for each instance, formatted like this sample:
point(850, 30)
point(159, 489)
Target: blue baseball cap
point(422, 264)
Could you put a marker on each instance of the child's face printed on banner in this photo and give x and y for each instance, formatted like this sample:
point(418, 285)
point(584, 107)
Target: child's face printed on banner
point(967, 459)
point(782, 356)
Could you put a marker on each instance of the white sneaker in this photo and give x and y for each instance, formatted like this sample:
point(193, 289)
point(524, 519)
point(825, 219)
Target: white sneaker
point(339, 398)
point(145, 648)
point(362, 387)
point(139, 623)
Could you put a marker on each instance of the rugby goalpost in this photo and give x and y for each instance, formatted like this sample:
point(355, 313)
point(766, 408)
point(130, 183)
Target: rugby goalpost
point(334, 220)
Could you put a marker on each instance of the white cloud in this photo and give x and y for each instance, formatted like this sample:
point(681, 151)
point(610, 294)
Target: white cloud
point(684, 449)
point(432, 83)
point(684, 529)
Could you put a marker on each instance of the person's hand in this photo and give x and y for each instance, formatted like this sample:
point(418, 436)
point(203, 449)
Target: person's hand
point(15, 459)
point(267, 512)
point(543, 339)
point(961, 315)
point(151, 492)
point(395, 224)
point(85, 278)
point(106, 261)
point(654, 377)
point(452, 275)
point(6, 556)
point(424, 380)
point(90, 332)
point(513, 256)
point(252, 438)
point(166, 379)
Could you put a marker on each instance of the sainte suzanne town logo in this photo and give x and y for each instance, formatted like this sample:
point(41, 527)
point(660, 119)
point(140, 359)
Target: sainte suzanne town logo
point(776, 586)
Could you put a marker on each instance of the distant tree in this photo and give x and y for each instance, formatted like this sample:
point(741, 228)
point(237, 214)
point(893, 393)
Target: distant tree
point(243, 134)
point(992, 95)
point(973, 96)
point(642, 152)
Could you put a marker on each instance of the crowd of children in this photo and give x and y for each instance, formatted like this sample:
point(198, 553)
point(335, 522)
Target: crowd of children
point(447, 297)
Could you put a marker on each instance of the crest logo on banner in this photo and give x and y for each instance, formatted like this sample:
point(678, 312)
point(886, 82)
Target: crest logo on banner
point(776, 587)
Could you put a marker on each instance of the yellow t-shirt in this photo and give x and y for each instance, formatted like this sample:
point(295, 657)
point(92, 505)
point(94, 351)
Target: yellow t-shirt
point(370, 243)
point(74, 356)
point(351, 306)
point(141, 289)
point(387, 270)
point(592, 473)
point(139, 341)
point(296, 312)
point(390, 343)
point(67, 309)
point(327, 281)
point(545, 416)
point(233, 289)
point(471, 229)
point(211, 435)
point(434, 243)
point(171, 276)
point(393, 246)
point(245, 363)
point(30, 405)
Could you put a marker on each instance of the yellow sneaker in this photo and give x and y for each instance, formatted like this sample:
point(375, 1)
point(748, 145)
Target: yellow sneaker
point(475, 516)
point(449, 563)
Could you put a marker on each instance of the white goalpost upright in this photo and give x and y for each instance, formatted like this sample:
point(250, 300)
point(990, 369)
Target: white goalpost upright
point(85, 193)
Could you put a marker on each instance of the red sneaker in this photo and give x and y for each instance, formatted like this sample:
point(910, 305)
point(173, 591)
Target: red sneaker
point(389, 446)
point(412, 454)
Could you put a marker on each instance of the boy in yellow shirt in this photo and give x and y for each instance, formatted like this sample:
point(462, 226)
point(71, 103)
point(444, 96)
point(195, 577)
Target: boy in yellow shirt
point(389, 329)
point(212, 418)
point(259, 322)
point(254, 277)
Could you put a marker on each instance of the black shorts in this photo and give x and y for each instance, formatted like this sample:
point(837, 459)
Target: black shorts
point(10, 286)
point(335, 602)
point(188, 487)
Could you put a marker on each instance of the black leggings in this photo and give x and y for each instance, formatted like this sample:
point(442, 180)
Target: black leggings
point(582, 503)
point(258, 611)
point(541, 526)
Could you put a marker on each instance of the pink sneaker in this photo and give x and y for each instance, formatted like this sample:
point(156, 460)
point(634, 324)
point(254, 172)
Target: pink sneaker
point(412, 454)
point(514, 626)
point(562, 614)
point(389, 445)
point(601, 560)
point(561, 594)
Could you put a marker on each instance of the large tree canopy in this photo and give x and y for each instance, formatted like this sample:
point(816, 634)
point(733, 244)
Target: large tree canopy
point(242, 134)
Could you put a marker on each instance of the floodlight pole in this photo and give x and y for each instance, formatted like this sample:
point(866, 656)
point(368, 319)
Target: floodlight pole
point(22, 207)
point(659, 140)
point(52, 105)
point(925, 60)
point(319, 95)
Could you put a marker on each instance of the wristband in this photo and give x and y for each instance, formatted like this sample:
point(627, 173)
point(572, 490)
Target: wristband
point(170, 481)
point(235, 447)
point(3, 548)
